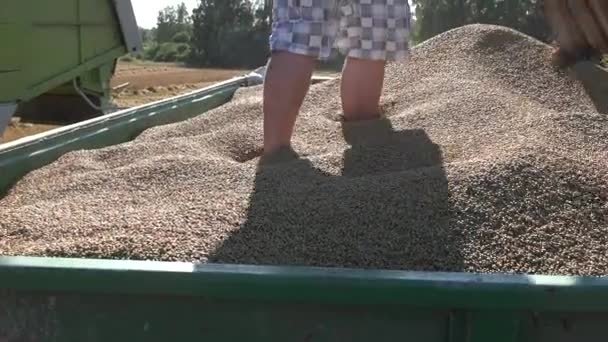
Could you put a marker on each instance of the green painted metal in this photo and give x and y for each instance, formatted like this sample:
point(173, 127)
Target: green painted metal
point(483, 325)
point(18, 158)
point(46, 44)
point(95, 300)
point(436, 290)
point(53, 299)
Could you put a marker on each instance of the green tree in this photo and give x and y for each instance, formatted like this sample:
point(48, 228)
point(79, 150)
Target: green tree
point(183, 17)
point(226, 33)
point(181, 37)
point(169, 40)
point(437, 16)
point(166, 24)
point(170, 21)
point(219, 33)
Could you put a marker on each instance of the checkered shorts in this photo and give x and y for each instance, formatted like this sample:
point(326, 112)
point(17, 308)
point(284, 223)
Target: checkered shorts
point(367, 29)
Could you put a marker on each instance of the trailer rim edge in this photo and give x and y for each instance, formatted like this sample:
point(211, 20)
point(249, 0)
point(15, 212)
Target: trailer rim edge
point(306, 284)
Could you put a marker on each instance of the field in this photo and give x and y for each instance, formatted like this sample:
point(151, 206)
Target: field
point(155, 81)
point(147, 82)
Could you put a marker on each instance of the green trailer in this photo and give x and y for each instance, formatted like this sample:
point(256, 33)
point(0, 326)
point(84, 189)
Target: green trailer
point(58, 57)
point(53, 299)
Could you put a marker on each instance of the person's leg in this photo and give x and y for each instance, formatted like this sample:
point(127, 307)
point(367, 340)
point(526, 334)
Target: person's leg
point(362, 82)
point(286, 84)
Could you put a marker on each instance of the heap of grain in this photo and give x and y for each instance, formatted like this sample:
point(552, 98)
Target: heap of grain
point(488, 160)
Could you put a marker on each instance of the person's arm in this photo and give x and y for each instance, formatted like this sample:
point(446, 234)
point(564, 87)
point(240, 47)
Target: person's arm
point(581, 28)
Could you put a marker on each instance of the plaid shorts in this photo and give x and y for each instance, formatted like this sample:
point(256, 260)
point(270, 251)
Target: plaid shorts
point(366, 29)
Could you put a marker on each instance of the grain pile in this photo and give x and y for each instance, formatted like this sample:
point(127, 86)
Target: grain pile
point(489, 160)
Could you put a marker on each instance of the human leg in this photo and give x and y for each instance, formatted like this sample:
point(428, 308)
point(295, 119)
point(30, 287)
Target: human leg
point(361, 88)
point(302, 32)
point(286, 84)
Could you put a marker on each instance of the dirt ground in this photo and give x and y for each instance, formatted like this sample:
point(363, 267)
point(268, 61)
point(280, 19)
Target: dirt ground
point(147, 82)
point(17, 130)
point(155, 81)
point(150, 82)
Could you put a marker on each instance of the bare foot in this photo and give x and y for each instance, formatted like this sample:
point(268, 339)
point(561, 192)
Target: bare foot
point(280, 155)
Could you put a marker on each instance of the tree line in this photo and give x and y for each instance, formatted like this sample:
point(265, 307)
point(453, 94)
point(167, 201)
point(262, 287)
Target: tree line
point(217, 33)
point(234, 33)
point(437, 16)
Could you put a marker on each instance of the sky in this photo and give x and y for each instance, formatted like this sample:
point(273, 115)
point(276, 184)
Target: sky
point(146, 11)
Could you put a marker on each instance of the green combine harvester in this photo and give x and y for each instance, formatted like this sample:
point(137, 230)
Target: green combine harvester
point(57, 57)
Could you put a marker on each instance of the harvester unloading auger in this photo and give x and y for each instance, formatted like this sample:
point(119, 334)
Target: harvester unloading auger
point(59, 56)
